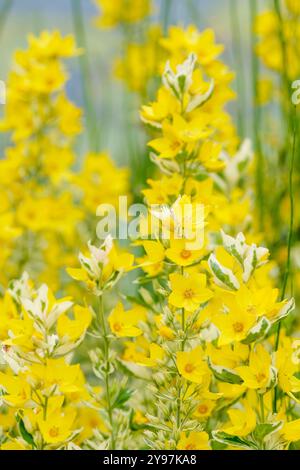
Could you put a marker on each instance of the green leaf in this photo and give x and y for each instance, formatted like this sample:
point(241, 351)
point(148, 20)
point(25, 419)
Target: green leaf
point(224, 374)
point(181, 82)
point(258, 331)
point(24, 433)
point(224, 275)
point(122, 398)
point(263, 430)
point(235, 441)
point(285, 311)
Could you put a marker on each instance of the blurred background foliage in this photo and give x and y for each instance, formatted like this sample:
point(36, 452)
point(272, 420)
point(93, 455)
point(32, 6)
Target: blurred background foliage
point(115, 110)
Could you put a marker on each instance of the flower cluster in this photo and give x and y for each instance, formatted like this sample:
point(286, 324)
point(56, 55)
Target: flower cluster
point(42, 393)
point(122, 12)
point(187, 344)
point(215, 309)
point(47, 206)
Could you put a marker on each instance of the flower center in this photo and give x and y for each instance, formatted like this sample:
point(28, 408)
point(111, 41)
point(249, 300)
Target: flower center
point(175, 145)
point(54, 431)
point(189, 368)
point(238, 327)
point(203, 409)
point(260, 377)
point(185, 254)
point(188, 294)
point(190, 447)
point(117, 326)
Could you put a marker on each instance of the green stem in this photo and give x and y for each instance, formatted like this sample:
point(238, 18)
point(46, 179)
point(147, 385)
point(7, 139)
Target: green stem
point(166, 14)
point(195, 14)
point(106, 344)
point(284, 75)
point(260, 171)
point(86, 79)
point(182, 318)
point(4, 12)
point(290, 236)
point(262, 408)
point(236, 44)
point(179, 383)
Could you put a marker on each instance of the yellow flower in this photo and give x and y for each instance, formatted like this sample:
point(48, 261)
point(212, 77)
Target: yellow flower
point(229, 356)
point(57, 427)
point(152, 263)
point(57, 376)
point(291, 431)
point(97, 169)
point(125, 323)
point(163, 330)
point(192, 366)
point(17, 391)
point(193, 441)
point(293, 6)
point(122, 11)
point(258, 374)
point(204, 409)
point(74, 329)
point(182, 42)
point(170, 145)
point(177, 135)
point(209, 155)
point(231, 391)
point(52, 45)
point(189, 291)
point(242, 422)
point(101, 264)
point(140, 418)
point(287, 367)
point(180, 253)
point(140, 61)
point(143, 353)
point(166, 105)
point(233, 326)
point(162, 190)
point(88, 420)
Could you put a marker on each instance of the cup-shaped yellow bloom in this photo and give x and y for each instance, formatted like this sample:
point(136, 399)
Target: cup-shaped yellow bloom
point(57, 375)
point(143, 353)
point(204, 409)
point(72, 330)
point(101, 265)
point(152, 263)
point(163, 330)
point(181, 253)
point(287, 367)
point(258, 374)
point(233, 326)
point(124, 323)
point(242, 422)
point(58, 426)
point(192, 366)
point(193, 441)
point(159, 110)
point(16, 389)
point(189, 291)
point(171, 144)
